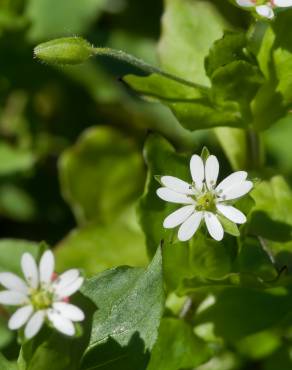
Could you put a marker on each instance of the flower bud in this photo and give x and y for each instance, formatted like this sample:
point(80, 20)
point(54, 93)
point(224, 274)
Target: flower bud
point(66, 50)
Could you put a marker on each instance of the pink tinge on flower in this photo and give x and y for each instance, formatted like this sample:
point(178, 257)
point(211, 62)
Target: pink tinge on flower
point(54, 276)
point(41, 296)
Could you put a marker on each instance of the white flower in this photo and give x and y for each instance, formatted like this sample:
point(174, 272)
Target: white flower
point(42, 296)
point(264, 9)
point(203, 199)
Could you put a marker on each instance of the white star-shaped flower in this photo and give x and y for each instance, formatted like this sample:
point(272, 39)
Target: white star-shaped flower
point(203, 199)
point(42, 296)
point(264, 9)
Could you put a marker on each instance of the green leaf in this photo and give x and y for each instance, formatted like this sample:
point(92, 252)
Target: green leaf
point(179, 52)
point(161, 159)
point(157, 87)
point(209, 258)
point(177, 347)
point(226, 50)
point(7, 365)
point(239, 312)
point(14, 159)
point(97, 174)
point(234, 145)
point(253, 259)
point(192, 107)
point(95, 248)
point(271, 217)
point(229, 226)
point(130, 303)
point(237, 81)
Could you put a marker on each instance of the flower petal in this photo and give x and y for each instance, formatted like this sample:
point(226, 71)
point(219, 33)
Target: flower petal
point(13, 298)
point(197, 171)
point(66, 278)
point(178, 217)
point(30, 270)
point(231, 180)
point(61, 323)
point(46, 267)
point(265, 11)
point(172, 196)
point(232, 213)
point(34, 324)
point(69, 311)
point(190, 226)
point(214, 226)
point(283, 3)
point(12, 282)
point(20, 317)
point(70, 289)
point(177, 185)
point(245, 3)
point(211, 171)
point(237, 191)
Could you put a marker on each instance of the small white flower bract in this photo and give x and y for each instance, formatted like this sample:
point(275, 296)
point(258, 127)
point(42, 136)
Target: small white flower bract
point(203, 199)
point(42, 296)
point(264, 9)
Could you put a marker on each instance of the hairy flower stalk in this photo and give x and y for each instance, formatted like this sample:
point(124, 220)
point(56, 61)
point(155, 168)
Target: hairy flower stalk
point(203, 199)
point(264, 8)
point(42, 296)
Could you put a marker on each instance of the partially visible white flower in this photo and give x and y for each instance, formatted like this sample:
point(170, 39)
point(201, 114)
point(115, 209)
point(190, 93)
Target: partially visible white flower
point(202, 199)
point(264, 8)
point(42, 296)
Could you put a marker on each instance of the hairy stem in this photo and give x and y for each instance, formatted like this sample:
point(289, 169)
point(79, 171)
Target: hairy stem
point(143, 66)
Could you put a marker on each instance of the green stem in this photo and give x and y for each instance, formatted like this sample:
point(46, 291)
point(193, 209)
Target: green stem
point(140, 64)
point(254, 153)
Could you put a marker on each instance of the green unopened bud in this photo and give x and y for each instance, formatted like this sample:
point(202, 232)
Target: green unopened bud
point(66, 50)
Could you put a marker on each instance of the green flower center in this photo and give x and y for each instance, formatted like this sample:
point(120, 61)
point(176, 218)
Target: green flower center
point(206, 202)
point(41, 299)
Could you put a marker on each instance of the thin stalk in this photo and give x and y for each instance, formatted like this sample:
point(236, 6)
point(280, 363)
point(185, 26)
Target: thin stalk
point(148, 68)
point(254, 151)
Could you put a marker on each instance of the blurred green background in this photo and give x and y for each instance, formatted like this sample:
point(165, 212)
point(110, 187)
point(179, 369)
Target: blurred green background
point(71, 139)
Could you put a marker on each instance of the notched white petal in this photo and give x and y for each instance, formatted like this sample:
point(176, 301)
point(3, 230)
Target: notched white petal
point(178, 217)
point(232, 213)
point(11, 281)
point(172, 196)
point(231, 180)
point(190, 226)
point(12, 298)
point(34, 324)
point(283, 3)
point(20, 317)
point(211, 171)
point(245, 3)
point(62, 324)
point(69, 311)
point(237, 191)
point(46, 267)
point(214, 226)
point(30, 270)
point(197, 171)
point(177, 185)
point(265, 11)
